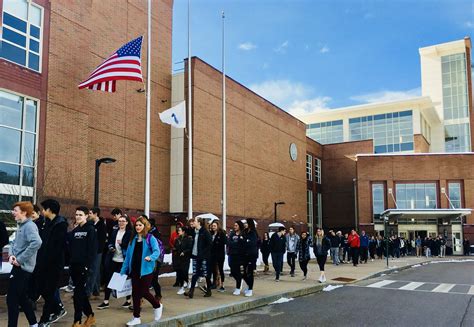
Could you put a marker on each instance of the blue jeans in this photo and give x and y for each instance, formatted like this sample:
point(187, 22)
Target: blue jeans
point(277, 259)
point(93, 278)
point(335, 256)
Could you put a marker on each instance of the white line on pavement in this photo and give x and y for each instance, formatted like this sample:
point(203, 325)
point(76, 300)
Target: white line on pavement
point(411, 286)
point(381, 283)
point(471, 290)
point(443, 288)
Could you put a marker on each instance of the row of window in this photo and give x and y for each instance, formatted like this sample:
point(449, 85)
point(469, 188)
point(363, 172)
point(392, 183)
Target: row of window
point(327, 132)
point(415, 196)
point(309, 169)
point(21, 33)
point(457, 137)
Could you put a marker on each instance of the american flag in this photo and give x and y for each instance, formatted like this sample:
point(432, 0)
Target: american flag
point(124, 64)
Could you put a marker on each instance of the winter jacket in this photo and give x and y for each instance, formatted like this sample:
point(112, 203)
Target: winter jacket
point(303, 249)
point(218, 245)
point(83, 245)
point(364, 241)
point(174, 235)
point(101, 235)
point(52, 251)
point(277, 243)
point(25, 245)
point(182, 244)
point(265, 246)
point(3, 235)
point(335, 241)
point(325, 243)
point(204, 239)
point(150, 249)
point(291, 242)
point(236, 245)
point(354, 241)
point(251, 249)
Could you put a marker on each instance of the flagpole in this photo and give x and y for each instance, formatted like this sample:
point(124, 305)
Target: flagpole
point(190, 128)
point(224, 150)
point(148, 89)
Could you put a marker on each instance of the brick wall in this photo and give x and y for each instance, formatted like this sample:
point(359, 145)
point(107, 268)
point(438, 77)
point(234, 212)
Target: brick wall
point(421, 144)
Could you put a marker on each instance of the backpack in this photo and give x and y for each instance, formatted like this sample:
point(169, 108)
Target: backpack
point(160, 246)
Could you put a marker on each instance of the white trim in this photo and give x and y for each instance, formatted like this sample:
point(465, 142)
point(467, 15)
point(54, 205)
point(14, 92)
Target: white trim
point(412, 154)
point(11, 189)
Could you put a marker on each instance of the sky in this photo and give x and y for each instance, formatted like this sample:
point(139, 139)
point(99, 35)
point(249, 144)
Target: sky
point(308, 55)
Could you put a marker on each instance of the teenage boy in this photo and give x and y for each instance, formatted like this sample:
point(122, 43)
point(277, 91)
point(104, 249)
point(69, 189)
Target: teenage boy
point(50, 263)
point(93, 285)
point(292, 240)
point(83, 252)
point(22, 256)
point(277, 249)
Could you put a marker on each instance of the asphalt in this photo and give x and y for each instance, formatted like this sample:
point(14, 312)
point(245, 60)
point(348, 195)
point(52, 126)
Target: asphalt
point(362, 304)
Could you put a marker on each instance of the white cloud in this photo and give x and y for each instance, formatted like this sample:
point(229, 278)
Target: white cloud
point(469, 24)
point(282, 47)
point(387, 96)
point(293, 97)
point(247, 46)
point(324, 49)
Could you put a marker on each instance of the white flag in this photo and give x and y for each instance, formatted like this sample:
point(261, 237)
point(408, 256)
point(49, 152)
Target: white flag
point(175, 116)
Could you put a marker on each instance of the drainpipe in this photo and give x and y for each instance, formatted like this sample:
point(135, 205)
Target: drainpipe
point(356, 210)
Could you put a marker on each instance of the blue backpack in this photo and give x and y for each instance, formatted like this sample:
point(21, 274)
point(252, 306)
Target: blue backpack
point(160, 246)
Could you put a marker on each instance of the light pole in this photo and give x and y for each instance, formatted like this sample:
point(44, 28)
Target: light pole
point(98, 162)
point(275, 209)
point(385, 223)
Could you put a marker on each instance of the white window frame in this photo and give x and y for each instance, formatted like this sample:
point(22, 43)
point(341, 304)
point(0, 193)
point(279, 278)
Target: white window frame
point(317, 170)
point(309, 167)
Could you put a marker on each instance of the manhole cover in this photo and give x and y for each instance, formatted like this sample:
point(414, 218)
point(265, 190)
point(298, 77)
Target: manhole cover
point(344, 279)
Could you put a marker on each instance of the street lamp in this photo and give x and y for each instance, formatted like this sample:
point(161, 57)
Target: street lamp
point(98, 162)
point(275, 209)
point(385, 223)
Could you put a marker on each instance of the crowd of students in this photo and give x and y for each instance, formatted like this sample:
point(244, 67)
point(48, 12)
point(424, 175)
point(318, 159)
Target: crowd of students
point(94, 249)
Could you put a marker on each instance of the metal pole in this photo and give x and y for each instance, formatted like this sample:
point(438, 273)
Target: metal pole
point(190, 125)
point(148, 128)
point(224, 151)
point(275, 212)
point(386, 238)
point(96, 184)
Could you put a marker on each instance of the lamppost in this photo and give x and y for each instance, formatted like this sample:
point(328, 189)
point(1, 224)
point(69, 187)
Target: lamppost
point(275, 209)
point(98, 162)
point(385, 223)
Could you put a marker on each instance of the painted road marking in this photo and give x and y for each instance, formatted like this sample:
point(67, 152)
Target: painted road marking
point(381, 283)
point(443, 288)
point(471, 290)
point(411, 286)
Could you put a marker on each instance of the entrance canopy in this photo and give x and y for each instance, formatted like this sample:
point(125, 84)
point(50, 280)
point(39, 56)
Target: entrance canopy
point(424, 213)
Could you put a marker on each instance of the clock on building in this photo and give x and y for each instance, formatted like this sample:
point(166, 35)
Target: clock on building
point(293, 152)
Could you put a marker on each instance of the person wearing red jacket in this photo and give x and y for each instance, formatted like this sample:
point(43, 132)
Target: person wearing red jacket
point(354, 243)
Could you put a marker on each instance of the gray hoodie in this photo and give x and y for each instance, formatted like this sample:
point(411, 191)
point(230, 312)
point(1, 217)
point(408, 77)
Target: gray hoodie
point(291, 242)
point(26, 244)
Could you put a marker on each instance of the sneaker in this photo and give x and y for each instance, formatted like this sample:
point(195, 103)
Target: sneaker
point(203, 288)
point(103, 306)
point(249, 293)
point(277, 279)
point(44, 324)
point(187, 285)
point(320, 279)
point(69, 289)
point(176, 284)
point(236, 291)
point(158, 312)
point(181, 291)
point(292, 275)
point(222, 289)
point(134, 321)
point(55, 317)
point(126, 304)
point(304, 278)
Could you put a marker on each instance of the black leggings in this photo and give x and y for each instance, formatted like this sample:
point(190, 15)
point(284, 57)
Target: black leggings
point(355, 256)
point(265, 256)
point(249, 267)
point(218, 266)
point(235, 267)
point(114, 267)
point(182, 276)
point(321, 259)
point(304, 266)
point(155, 282)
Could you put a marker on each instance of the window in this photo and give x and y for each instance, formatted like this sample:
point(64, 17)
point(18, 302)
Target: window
point(456, 137)
point(327, 132)
point(454, 194)
point(309, 167)
point(18, 120)
point(317, 170)
point(425, 129)
point(391, 132)
point(309, 206)
point(21, 33)
point(416, 195)
point(378, 199)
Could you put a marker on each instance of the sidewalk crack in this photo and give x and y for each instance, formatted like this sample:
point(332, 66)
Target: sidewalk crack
point(466, 311)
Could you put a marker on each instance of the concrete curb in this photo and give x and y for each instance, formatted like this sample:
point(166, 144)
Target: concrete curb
point(255, 302)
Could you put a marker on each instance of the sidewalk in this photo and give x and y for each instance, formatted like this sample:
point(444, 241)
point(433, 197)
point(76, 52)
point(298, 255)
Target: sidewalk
point(181, 311)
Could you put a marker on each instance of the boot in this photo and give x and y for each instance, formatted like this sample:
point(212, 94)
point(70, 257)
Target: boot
point(90, 321)
point(190, 293)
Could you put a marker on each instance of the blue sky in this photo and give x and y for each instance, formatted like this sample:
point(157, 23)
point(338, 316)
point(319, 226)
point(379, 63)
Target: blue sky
point(306, 55)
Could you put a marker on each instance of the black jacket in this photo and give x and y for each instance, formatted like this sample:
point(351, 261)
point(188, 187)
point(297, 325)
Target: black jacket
point(83, 245)
point(236, 245)
point(3, 235)
point(204, 244)
point(326, 245)
point(184, 245)
point(41, 224)
point(335, 241)
point(218, 245)
point(265, 246)
point(277, 243)
point(51, 253)
point(302, 248)
point(101, 235)
point(251, 249)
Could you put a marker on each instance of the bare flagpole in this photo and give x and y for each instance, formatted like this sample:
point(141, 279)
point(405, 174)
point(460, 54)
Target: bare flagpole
point(224, 127)
point(190, 133)
point(148, 97)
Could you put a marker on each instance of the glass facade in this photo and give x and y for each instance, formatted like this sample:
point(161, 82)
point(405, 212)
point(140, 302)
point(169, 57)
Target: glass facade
point(391, 132)
point(416, 195)
point(454, 193)
point(309, 206)
point(21, 33)
point(309, 167)
point(378, 199)
point(317, 170)
point(455, 103)
point(18, 134)
point(327, 132)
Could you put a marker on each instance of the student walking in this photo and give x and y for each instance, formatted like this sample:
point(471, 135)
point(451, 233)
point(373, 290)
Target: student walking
point(22, 256)
point(117, 250)
point(93, 282)
point(321, 246)
point(236, 252)
point(335, 242)
point(265, 250)
point(372, 247)
point(277, 249)
point(200, 254)
point(354, 243)
point(139, 263)
point(217, 258)
point(251, 255)
point(364, 247)
point(291, 241)
point(50, 263)
point(83, 251)
point(181, 254)
point(303, 253)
